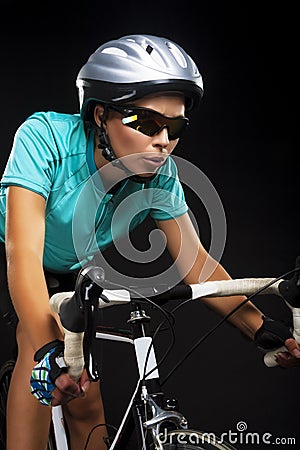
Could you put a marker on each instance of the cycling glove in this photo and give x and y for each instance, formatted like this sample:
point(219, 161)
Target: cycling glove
point(50, 365)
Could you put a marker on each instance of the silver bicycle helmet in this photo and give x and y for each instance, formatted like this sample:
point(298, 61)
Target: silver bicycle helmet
point(134, 66)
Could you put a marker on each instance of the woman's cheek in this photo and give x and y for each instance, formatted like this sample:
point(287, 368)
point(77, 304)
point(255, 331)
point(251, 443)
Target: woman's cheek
point(126, 142)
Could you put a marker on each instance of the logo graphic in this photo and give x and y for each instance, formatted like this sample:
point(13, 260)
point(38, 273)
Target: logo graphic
point(113, 221)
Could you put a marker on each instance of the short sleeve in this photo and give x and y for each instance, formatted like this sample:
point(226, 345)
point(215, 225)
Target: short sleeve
point(168, 195)
point(33, 158)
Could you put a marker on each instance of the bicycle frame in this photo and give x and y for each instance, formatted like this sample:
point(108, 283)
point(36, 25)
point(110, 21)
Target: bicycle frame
point(289, 290)
point(147, 395)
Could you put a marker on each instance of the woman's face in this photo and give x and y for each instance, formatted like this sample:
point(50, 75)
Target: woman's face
point(140, 153)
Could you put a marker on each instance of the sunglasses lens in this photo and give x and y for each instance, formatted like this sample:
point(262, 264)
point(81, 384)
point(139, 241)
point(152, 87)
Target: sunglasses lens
point(150, 122)
point(145, 125)
point(176, 127)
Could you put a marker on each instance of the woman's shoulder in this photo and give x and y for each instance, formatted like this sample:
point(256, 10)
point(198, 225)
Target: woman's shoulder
point(55, 130)
point(55, 121)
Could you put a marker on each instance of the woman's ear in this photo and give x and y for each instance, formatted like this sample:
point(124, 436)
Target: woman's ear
point(98, 114)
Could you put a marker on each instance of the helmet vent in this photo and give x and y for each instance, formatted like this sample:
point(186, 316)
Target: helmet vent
point(114, 51)
point(177, 54)
point(149, 49)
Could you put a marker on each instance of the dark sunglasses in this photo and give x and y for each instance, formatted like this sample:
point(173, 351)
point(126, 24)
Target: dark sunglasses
point(150, 122)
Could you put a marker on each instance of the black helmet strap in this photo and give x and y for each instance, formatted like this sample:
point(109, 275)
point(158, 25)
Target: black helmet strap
point(105, 145)
point(109, 154)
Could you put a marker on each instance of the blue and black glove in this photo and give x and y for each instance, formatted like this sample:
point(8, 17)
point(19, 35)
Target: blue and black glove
point(51, 364)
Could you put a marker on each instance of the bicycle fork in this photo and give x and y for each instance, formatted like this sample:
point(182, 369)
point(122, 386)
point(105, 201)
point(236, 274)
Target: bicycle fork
point(161, 417)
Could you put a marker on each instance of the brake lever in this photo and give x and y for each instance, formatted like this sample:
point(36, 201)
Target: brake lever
point(90, 305)
point(290, 289)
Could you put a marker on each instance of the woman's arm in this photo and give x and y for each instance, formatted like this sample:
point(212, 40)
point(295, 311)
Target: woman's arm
point(25, 231)
point(195, 265)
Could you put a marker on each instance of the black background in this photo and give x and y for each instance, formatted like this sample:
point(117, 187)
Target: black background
point(243, 137)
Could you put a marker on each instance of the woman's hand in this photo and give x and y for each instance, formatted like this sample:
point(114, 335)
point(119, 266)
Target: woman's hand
point(50, 382)
point(67, 389)
point(291, 358)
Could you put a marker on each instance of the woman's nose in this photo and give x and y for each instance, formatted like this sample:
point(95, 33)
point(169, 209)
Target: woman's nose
point(161, 138)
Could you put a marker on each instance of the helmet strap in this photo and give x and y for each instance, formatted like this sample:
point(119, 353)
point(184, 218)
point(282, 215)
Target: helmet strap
point(109, 154)
point(104, 145)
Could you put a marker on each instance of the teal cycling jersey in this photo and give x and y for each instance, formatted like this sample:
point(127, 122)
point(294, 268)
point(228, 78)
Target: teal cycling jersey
point(53, 156)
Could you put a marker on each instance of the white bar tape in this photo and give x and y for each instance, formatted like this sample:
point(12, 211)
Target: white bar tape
point(115, 297)
point(73, 353)
point(57, 299)
point(269, 357)
point(242, 286)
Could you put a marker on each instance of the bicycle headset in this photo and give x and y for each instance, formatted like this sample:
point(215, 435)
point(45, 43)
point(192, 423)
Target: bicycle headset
point(130, 68)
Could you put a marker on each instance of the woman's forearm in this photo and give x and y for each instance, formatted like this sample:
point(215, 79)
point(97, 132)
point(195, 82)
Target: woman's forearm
point(195, 265)
point(248, 318)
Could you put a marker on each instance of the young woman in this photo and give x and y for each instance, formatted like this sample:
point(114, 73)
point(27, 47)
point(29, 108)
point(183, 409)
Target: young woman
point(65, 179)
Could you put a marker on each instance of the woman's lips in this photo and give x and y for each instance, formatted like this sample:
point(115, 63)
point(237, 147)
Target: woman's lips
point(154, 161)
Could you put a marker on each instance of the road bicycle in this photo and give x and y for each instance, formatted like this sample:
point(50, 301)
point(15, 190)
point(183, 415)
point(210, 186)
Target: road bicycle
point(154, 421)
